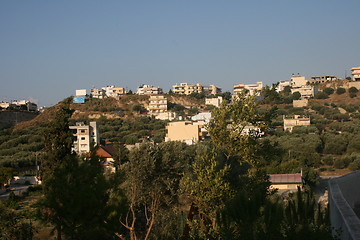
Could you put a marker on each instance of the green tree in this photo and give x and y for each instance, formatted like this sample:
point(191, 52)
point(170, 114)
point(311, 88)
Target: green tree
point(14, 226)
point(71, 187)
point(208, 190)
point(151, 183)
point(6, 175)
point(228, 125)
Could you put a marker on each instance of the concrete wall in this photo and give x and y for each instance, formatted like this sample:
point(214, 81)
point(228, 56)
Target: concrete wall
point(344, 194)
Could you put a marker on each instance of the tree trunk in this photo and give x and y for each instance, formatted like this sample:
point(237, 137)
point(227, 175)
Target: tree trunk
point(58, 229)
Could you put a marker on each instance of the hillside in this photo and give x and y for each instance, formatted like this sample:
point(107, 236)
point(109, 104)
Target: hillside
point(329, 144)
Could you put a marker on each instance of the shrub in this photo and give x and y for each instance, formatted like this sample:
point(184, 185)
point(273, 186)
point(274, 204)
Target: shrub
point(296, 96)
point(355, 165)
point(340, 91)
point(339, 163)
point(321, 95)
point(328, 90)
point(352, 95)
point(328, 160)
point(353, 90)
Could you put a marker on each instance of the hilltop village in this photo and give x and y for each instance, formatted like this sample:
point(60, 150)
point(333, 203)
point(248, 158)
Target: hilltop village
point(190, 163)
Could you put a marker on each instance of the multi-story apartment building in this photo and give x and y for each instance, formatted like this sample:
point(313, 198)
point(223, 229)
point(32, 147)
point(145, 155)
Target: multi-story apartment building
point(355, 72)
point(148, 90)
point(85, 137)
point(294, 121)
point(322, 79)
point(97, 93)
point(187, 89)
point(157, 103)
point(211, 90)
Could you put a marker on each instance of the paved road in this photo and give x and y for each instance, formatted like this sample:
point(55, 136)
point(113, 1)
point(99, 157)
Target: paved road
point(17, 189)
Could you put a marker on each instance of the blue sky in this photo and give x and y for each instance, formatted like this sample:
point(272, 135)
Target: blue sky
point(50, 48)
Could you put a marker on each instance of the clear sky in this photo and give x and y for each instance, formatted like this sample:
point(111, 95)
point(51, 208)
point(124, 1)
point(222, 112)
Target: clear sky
point(50, 48)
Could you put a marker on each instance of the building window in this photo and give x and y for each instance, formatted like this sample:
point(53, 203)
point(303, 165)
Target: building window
point(82, 138)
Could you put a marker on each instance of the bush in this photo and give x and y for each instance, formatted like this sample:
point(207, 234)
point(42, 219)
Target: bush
point(328, 160)
point(355, 165)
point(353, 90)
point(352, 95)
point(339, 163)
point(328, 90)
point(340, 91)
point(321, 95)
point(296, 96)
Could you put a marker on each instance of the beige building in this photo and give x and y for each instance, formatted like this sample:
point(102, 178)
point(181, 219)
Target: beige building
point(300, 103)
point(157, 103)
point(187, 89)
point(117, 92)
point(214, 101)
point(85, 137)
point(294, 121)
point(322, 79)
point(297, 81)
point(184, 131)
point(355, 72)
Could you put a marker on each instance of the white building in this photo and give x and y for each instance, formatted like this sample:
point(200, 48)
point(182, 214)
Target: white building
point(166, 116)
point(252, 88)
point(80, 92)
point(281, 86)
point(203, 117)
point(294, 121)
point(214, 101)
point(148, 90)
point(85, 137)
point(108, 90)
point(187, 89)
